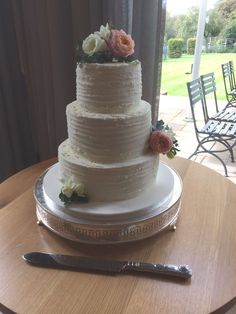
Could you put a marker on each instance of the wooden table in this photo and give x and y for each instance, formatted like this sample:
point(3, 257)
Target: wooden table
point(205, 239)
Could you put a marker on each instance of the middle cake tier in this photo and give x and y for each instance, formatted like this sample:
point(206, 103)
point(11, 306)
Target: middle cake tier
point(109, 138)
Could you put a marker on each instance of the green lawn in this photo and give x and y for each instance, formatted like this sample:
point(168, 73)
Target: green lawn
point(174, 79)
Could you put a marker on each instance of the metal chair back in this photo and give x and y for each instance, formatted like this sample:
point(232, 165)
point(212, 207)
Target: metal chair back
point(196, 96)
point(229, 82)
point(209, 89)
point(231, 69)
point(213, 133)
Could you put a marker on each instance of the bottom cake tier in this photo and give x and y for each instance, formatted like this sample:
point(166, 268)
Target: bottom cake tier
point(107, 182)
point(110, 222)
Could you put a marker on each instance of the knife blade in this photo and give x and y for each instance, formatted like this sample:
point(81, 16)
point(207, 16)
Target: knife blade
point(92, 264)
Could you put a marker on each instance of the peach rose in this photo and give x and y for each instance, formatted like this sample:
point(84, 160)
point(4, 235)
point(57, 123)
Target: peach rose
point(160, 142)
point(121, 44)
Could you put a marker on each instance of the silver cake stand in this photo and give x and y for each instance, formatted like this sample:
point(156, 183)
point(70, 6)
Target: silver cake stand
point(114, 222)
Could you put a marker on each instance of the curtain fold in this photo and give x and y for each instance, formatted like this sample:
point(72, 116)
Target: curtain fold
point(16, 142)
point(145, 20)
point(148, 33)
point(49, 66)
point(37, 67)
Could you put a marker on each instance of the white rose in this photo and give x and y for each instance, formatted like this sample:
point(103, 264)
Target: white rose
point(79, 188)
point(67, 190)
point(93, 43)
point(104, 32)
point(72, 185)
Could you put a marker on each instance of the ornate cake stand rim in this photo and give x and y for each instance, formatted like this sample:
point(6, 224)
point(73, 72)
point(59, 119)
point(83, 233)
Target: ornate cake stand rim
point(128, 238)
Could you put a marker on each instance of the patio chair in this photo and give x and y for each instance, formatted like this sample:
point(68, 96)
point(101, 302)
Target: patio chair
point(229, 83)
point(209, 89)
point(231, 67)
point(211, 131)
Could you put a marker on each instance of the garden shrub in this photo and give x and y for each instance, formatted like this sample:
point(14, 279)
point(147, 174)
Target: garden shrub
point(191, 42)
point(175, 47)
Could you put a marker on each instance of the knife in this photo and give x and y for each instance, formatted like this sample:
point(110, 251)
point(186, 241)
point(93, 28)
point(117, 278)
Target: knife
point(85, 263)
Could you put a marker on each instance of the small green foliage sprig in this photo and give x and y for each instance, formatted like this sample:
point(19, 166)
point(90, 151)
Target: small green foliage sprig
point(100, 57)
point(74, 198)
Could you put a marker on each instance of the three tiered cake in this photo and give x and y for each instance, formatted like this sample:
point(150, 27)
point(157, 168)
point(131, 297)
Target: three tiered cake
point(109, 128)
point(106, 186)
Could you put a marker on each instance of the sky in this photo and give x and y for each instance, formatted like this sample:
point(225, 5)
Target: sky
point(176, 7)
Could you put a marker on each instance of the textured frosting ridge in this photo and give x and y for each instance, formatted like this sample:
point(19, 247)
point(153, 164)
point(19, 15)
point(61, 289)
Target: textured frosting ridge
point(109, 88)
point(109, 137)
point(105, 182)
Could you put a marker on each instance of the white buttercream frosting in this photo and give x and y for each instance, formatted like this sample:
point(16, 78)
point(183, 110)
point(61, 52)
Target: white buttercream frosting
point(109, 128)
point(109, 87)
point(105, 182)
point(109, 137)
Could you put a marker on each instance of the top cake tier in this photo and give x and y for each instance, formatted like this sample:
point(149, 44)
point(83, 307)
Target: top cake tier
point(109, 87)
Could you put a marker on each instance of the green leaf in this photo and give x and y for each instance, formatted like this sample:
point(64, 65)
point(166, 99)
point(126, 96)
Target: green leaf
point(75, 198)
point(161, 126)
point(99, 57)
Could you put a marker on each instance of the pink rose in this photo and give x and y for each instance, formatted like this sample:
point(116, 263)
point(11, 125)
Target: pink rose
point(121, 44)
point(160, 142)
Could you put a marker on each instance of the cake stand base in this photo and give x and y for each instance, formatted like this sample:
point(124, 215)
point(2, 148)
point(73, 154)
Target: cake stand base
point(114, 222)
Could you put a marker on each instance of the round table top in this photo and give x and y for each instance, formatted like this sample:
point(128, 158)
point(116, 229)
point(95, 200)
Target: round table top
point(205, 239)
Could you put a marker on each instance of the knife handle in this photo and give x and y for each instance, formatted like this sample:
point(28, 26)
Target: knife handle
point(182, 271)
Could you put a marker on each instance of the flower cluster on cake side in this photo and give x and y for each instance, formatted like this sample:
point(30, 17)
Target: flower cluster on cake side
point(73, 191)
point(162, 140)
point(105, 46)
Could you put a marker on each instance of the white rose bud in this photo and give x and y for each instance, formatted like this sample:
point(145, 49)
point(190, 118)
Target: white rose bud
point(93, 43)
point(104, 32)
point(67, 190)
point(79, 188)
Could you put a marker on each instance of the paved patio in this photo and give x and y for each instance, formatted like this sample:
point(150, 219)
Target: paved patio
point(174, 111)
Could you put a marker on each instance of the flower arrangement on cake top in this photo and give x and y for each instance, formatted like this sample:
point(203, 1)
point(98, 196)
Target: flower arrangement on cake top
point(106, 45)
point(162, 140)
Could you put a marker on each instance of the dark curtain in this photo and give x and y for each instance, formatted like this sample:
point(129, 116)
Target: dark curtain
point(37, 80)
point(37, 67)
point(16, 141)
point(148, 33)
